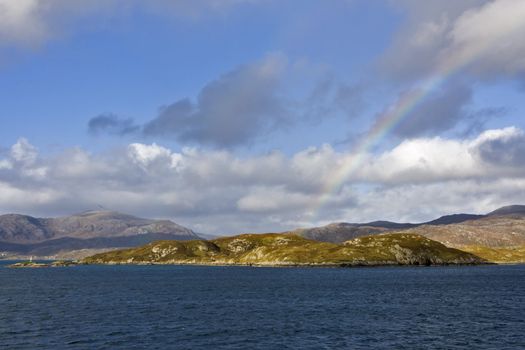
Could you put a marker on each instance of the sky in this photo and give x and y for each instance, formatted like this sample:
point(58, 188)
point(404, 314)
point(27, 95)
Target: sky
point(230, 116)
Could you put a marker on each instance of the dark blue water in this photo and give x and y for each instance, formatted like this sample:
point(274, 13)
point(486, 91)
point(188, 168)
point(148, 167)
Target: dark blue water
point(184, 307)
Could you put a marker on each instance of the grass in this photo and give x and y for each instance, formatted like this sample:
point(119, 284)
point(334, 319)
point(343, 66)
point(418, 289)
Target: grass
point(287, 249)
point(506, 255)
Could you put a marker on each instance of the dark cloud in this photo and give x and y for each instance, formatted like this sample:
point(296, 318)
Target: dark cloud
point(508, 150)
point(438, 112)
point(245, 105)
point(112, 124)
point(235, 109)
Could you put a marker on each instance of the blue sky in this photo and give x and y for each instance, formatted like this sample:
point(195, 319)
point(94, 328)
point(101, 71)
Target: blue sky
point(245, 111)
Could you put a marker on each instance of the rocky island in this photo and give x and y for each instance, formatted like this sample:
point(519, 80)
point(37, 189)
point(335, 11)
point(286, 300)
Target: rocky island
point(292, 250)
point(33, 264)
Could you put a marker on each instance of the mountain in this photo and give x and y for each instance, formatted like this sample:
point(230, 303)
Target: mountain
point(292, 250)
point(498, 236)
point(452, 219)
point(22, 234)
point(16, 228)
point(338, 232)
point(387, 224)
point(342, 231)
point(490, 231)
point(509, 210)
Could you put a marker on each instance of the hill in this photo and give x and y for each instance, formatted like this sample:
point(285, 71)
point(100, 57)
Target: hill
point(498, 236)
point(508, 210)
point(490, 231)
point(342, 231)
point(292, 250)
point(338, 232)
point(449, 229)
point(26, 235)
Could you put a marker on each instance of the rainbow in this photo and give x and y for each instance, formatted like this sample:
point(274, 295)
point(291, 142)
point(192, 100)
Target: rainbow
point(393, 116)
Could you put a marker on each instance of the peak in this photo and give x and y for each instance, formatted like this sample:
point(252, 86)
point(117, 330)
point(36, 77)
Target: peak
point(509, 209)
point(454, 219)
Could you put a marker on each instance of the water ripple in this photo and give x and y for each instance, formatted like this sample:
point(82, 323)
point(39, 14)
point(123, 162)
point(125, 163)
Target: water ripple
point(184, 307)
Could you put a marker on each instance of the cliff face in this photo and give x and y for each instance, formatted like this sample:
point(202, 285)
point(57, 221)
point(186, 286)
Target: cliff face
point(292, 250)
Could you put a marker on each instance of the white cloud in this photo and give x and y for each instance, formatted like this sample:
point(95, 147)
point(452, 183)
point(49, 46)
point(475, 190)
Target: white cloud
point(5, 164)
point(23, 152)
point(483, 37)
point(223, 193)
point(20, 21)
point(32, 22)
point(145, 155)
point(492, 35)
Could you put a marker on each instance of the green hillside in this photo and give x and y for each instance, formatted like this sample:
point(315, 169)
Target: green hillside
point(291, 250)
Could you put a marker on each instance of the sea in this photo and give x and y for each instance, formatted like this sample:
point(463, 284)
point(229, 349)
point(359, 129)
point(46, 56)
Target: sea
point(197, 307)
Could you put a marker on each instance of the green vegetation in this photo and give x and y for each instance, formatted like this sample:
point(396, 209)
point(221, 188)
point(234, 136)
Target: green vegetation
point(291, 250)
point(500, 255)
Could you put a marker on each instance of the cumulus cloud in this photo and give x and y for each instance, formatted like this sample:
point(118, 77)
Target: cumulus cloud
point(505, 147)
point(237, 108)
point(232, 110)
point(437, 159)
point(245, 105)
point(219, 192)
point(481, 37)
point(24, 152)
point(146, 155)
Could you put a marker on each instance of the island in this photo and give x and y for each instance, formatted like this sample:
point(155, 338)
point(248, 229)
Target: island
point(33, 264)
point(280, 250)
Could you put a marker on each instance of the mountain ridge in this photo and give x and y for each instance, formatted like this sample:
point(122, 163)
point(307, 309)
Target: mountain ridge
point(339, 232)
point(94, 229)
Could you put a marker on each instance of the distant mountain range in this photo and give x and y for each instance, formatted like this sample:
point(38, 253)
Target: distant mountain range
point(500, 232)
point(498, 236)
point(503, 227)
point(93, 230)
